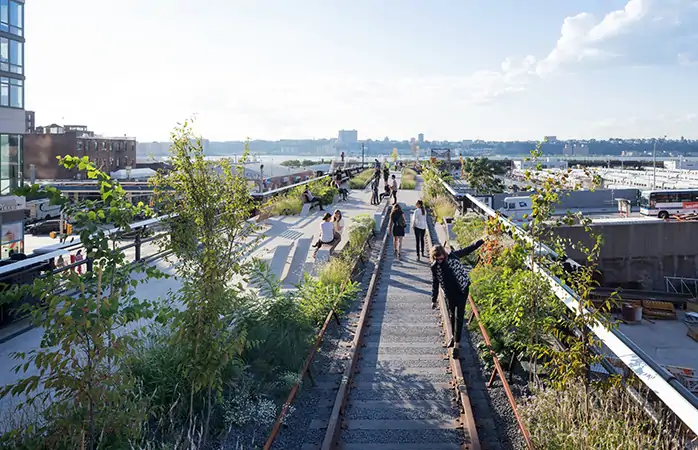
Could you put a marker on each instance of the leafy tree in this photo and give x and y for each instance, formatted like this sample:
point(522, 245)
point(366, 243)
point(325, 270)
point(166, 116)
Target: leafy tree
point(480, 174)
point(89, 322)
point(211, 236)
point(395, 156)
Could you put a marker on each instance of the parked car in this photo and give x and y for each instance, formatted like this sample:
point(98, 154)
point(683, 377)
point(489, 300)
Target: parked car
point(45, 227)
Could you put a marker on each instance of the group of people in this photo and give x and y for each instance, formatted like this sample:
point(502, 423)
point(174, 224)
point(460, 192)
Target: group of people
point(448, 273)
point(60, 261)
point(390, 187)
point(331, 229)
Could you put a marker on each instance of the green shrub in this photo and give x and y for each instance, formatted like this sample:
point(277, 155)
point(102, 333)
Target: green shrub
point(360, 180)
point(442, 207)
point(598, 418)
point(408, 179)
point(291, 203)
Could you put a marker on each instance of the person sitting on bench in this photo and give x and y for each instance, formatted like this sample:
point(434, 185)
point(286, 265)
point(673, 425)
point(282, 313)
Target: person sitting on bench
point(328, 235)
point(385, 193)
point(343, 187)
point(314, 201)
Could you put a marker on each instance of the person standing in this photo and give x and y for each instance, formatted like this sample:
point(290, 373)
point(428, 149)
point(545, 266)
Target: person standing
point(393, 189)
point(419, 224)
point(397, 227)
point(374, 190)
point(452, 276)
point(386, 173)
point(78, 257)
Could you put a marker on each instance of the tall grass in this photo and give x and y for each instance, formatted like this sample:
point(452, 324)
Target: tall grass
point(291, 203)
point(359, 181)
point(408, 180)
point(442, 207)
point(560, 420)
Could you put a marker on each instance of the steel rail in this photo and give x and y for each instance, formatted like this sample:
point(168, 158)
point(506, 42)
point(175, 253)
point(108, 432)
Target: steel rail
point(308, 361)
point(333, 425)
point(467, 417)
point(500, 372)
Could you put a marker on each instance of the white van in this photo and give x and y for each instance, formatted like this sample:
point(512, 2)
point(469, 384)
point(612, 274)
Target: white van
point(515, 208)
point(42, 209)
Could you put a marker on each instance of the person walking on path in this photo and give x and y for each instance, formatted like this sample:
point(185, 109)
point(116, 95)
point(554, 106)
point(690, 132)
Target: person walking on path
point(327, 234)
point(393, 189)
point(419, 224)
point(396, 227)
point(452, 276)
point(386, 174)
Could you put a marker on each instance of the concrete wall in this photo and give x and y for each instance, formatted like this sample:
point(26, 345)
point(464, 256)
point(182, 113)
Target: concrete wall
point(600, 198)
point(641, 255)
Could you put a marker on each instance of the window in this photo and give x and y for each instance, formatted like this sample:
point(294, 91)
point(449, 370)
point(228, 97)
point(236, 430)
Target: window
point(4, 15)
point(16, 56)
point(16, 18)
point(10, 157)
point(16, 93)
point(4, 92)
point(4, 54)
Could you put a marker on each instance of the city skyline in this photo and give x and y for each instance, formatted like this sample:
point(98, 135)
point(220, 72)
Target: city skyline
point(582, 69)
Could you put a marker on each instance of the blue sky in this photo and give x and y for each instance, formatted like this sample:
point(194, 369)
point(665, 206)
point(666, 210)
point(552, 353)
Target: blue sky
point(452, 69)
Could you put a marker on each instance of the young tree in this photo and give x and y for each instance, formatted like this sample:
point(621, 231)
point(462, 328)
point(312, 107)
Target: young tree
point(395, 156)
point(211, 204)
point(89, 322)
point(481, 176)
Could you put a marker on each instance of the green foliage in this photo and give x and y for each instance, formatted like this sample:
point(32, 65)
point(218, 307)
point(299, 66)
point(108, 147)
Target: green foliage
point(360, 180)
point(395, 156)
point(291, 203)
point(213, 236)
point(90, 324)
point(408, 180)
point(481, 176)
point(300, 163)
point(559, 420)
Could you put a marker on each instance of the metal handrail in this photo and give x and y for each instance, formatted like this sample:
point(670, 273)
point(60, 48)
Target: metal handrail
point(667, 388)
point(261, 196)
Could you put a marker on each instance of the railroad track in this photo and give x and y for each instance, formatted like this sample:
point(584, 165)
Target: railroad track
point(400, 388)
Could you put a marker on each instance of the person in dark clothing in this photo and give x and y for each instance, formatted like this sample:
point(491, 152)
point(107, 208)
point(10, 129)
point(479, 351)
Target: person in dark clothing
point(452, 276)
point(385, 193)
point(314, 201)
point(396, 228)
point(374, 191)
point(386, 174)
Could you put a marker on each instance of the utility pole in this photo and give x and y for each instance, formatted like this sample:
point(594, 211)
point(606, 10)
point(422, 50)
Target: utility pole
point(362, 154)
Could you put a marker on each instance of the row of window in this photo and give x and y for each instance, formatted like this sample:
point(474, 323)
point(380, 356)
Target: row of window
point(11, 92)
point(12, 17)
point(11, 56)
point(111, 162)
point(674, 197)
point(106, 145)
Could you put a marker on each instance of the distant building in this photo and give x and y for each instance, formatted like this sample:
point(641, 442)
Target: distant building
point(348, 137)
point(568, 150)
point(550, 139)
point(420, 138)
point(46, 143)
point(581, 150)
point(30, 121)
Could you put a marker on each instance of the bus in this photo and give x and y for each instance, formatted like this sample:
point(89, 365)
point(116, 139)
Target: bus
point(663, 203)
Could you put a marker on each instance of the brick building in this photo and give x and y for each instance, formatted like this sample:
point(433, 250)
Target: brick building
point(44, 144)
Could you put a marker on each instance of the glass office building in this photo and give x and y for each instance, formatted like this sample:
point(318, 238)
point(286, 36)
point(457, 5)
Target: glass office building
point(13, 124)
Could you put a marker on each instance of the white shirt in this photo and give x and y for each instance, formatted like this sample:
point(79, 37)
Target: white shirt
point(394, 184)
point(339, 226)
point(419, 219)
point(326, 232)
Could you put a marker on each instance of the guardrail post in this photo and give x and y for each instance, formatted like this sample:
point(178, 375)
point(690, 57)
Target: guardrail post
point(137, 241)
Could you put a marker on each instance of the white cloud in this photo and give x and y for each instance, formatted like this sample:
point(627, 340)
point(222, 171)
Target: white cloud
point(643, 32)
